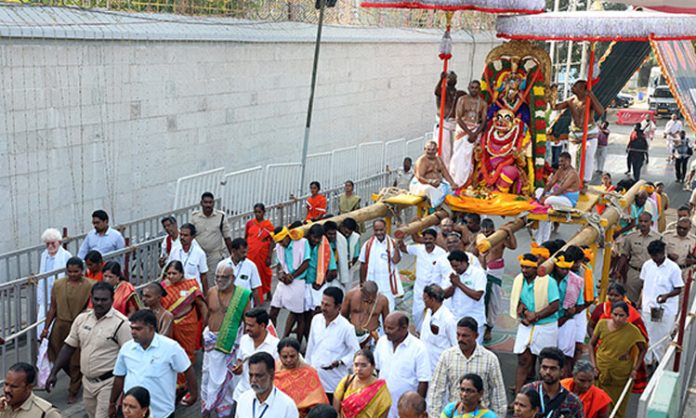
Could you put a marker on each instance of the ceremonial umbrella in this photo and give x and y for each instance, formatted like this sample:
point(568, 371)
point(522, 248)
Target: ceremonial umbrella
point(597, 26)
point(487, 6)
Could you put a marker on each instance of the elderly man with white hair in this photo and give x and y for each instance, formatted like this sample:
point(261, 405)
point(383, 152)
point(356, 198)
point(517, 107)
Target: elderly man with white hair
point(54, 257)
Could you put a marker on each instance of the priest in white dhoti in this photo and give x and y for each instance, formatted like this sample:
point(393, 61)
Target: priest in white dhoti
point(662, 284)
point(431, 178)
point(449, 123)
point(471, 120)
point(378, 259)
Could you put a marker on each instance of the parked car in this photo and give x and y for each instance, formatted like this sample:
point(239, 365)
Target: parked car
point(662, 102)
point(622, 100)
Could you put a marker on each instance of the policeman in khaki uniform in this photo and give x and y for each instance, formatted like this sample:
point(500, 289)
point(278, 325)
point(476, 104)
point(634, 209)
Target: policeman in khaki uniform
point(18, 399)
point(99, 334)
point(634, 253)
point(681, 245)
point(213, 232)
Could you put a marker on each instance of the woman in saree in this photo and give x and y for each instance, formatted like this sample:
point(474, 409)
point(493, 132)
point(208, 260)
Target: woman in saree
point(347, 201)
point(620, 354)
point(185, 301)
point(595, 402)
point(126, 299)
point(260, 243)
point(362, 395)
point(298, 379)
point(616, 292)
point(469, 405)
point(527, 404)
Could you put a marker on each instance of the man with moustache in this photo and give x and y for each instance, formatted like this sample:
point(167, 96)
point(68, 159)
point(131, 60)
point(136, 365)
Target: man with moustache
point(18, 399)
point(263, 399)
point(227, 303)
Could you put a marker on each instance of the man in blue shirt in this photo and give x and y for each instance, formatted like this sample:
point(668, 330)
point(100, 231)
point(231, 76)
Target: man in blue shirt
point(102, 238)
point(152, 361)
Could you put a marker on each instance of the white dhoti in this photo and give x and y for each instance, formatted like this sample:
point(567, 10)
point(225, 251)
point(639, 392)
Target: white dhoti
point(313, 297)
point(536, 337)
point(659, 334)
point(436, 195)
point(494, 291)
point(418, 309)
point(543, 232)
point(462, 163)
point(290, 297)
point(580, 327)
point(217, 380)
point(448, 129)
point(575, 149)
point(566, 338)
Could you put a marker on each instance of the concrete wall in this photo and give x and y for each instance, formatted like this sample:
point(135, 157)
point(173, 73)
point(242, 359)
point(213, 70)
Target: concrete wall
point(112, 123)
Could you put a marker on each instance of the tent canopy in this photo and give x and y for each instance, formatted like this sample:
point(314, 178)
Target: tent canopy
point(489, 6)
point(598, 26)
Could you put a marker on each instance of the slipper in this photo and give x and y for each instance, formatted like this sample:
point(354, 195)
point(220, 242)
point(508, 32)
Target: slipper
point(186, 400)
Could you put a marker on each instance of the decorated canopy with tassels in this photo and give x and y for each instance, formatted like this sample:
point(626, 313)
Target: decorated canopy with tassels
point(488, 6)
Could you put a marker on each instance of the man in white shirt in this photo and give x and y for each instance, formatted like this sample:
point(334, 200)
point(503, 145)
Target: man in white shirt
point(426, 255)
point(171, 240)
point(467, 290)
point(246, 274)
point(439, 329)
point(332, 341)
point(662, 284)
point(671, 134)
point(257, 339)
point(378, 259)
point(402, 360)
point(263, 400)
point(191, 256)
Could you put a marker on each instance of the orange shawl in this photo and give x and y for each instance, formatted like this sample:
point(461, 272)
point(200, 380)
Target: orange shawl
point(302, 384)
point(594, 401)
point(323, 260)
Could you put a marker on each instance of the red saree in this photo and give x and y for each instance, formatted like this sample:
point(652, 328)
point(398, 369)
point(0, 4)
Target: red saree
point(125, 297)
point(603, 311)
point(258, 237)
point(593, 401)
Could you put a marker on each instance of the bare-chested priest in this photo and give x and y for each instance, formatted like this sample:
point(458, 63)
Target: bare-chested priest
point(562, 191)
point(431, 178)
point(227, 304)
point(576, 106)
point(471, 120)
point(449, 124)
point(366, 308)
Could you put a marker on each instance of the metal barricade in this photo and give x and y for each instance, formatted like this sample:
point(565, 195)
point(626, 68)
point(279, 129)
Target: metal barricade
point(394, 153)
point(370, 159)
point(189, 188)
point(319, 169)
point(414, 148)
point(344, 165)
point(281, 181)
point(241, 190)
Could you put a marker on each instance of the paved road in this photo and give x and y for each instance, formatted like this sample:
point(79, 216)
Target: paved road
point(658, 170)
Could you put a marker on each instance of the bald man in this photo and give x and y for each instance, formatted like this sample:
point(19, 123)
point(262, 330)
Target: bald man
point(366, 309)
point(411, 405)
point(402, 360)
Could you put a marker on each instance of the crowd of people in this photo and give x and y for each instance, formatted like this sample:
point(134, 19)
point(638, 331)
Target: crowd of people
point(347, 347)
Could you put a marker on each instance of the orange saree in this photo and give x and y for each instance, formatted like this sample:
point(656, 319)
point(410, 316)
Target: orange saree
point(593, 401)
point(180, 301)
point(302, 384)
point(126, 297)
point(258, 237)
point(316, 207)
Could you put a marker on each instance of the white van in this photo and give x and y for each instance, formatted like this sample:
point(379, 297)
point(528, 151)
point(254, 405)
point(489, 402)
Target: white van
point(662, 102)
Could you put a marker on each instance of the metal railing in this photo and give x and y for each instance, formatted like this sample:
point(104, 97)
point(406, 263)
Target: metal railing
point(25, 261)
point(666, 392)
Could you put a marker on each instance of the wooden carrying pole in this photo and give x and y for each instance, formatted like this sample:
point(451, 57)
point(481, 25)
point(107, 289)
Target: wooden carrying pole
point(589, 234)
point(420, 224)
point(378, 210)
point(484, 244)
